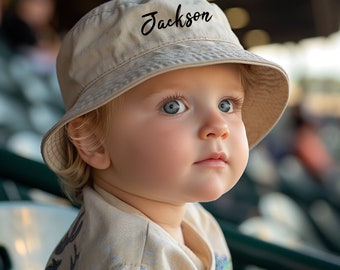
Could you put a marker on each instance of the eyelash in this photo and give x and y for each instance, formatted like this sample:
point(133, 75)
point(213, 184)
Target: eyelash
point(177, 96)
point(237, 102)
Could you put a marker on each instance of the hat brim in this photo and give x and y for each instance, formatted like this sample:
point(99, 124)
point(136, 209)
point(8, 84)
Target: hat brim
point(263, 106)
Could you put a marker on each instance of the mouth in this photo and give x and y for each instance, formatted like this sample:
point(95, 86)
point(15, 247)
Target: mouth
point(215, 160)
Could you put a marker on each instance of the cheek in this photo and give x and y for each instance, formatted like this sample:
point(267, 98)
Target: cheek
point(240, 149)
point(163, 148)
point(155, 154)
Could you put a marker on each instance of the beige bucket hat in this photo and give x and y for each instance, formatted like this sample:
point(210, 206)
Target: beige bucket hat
point(124, 42)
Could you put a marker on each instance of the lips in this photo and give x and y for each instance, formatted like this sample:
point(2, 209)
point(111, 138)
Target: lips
point(213, 160)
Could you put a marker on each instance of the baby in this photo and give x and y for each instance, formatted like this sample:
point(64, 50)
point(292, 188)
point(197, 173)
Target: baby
point(162, 106)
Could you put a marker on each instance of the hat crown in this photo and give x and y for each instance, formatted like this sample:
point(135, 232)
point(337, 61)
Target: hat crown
point(118, 31)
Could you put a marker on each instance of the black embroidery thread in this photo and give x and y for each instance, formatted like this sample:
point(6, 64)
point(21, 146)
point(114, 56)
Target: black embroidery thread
point(151, 22)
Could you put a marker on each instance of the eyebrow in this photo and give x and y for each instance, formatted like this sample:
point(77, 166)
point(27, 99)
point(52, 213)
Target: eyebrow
point(159, 90)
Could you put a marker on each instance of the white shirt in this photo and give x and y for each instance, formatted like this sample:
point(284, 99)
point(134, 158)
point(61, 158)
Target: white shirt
point(110, 234)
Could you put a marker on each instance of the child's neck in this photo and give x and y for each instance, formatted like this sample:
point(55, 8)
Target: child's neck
point(169, 218)
point(167, 215)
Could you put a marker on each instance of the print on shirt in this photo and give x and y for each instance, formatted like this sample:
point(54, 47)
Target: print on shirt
point(222, 262)
point(69, 238)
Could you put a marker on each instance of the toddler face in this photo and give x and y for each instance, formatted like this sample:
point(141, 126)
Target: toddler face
point(178, 137)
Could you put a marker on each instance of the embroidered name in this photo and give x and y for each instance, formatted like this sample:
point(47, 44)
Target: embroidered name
point(181, 20)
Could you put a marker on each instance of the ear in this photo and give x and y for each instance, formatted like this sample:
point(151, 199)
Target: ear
point(90, 149)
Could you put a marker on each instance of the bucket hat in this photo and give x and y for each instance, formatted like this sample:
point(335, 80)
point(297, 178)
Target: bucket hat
point(122, 43)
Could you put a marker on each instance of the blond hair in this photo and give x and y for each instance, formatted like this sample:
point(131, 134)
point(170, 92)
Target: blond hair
point(77, 173)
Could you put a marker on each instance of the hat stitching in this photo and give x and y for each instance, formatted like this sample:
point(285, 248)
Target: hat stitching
point(84, 87)
point(239, 59)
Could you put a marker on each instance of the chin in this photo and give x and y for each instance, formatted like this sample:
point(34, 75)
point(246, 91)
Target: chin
point(211, 189)
point(210, 195)
point(211, 198)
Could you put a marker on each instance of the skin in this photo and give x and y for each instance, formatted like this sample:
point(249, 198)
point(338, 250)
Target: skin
point(159, 161)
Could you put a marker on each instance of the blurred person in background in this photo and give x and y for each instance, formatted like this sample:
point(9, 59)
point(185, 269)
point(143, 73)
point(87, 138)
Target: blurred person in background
point(27, 28)
point(29, 93)
point(309, 147)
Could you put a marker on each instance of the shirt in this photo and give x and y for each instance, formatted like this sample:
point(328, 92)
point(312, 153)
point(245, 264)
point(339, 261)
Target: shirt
point(110, 234)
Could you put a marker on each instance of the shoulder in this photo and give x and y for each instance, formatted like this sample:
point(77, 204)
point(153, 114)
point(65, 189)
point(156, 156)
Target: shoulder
point(101, 237)
point(115, 236)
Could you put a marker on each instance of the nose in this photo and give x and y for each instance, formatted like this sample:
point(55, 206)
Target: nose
point(214, 126)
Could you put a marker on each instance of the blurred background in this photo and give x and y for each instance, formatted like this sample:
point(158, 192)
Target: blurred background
point(290, 192)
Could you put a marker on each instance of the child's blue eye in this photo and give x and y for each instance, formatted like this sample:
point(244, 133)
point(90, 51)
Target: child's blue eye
point(173, 107)
point(225, 106)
